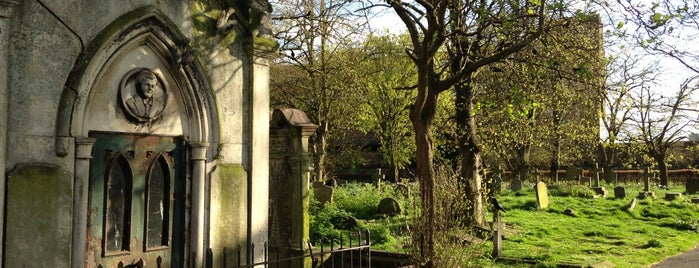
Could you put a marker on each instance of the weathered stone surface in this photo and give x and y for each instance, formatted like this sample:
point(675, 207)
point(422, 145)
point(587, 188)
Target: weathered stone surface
point(542, 195)
point(322, 193)
point(646, 194)
point(228, 210)
point(619, 192)
point(390, 206)
point(692, 185)
point(632, 205)
point(516, 185)
point(670, 196)
point(601, 191)
point(39, 216)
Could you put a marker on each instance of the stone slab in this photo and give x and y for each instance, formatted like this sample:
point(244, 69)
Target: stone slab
point(670, 196)
point(38, 216)
point(695, 200)
point(644, 194)
point(542, 195)
point(228, 210)
point(619, 192)
point(601, 191)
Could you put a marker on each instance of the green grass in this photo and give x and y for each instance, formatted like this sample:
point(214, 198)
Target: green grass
point(601, 229)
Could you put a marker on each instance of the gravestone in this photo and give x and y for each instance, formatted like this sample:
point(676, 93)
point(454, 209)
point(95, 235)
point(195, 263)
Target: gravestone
point(671, 196)
point(632, 205)
point(402, 189)
point(390, 206)
point(542, 195)
point(595, 171)
point(611, 177)
point(516, 185)
point(619, 192)
point(573, 173)
point(323, 193)
point(647, 175)
point(692, 185)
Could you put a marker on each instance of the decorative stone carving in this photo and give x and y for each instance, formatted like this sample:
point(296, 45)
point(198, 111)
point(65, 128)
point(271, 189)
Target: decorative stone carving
point(143, 95)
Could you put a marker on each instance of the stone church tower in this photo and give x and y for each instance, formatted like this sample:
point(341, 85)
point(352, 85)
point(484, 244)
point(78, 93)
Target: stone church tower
point(133, 133)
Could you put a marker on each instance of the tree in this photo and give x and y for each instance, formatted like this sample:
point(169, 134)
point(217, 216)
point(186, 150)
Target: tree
point(385, 80)
point(661, 122)
point(311, 32)
point(626, 75)
point(475, 34)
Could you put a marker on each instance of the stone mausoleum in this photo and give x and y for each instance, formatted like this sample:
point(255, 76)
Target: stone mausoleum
point(133, 133)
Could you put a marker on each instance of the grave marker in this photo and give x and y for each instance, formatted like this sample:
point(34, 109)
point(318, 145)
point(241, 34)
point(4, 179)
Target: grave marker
point(516, 185)
point(619, 192)
point(670, 196)
point(595, 171)
point(611, 177)
point(322, 193)
point(692, 185)
point(542, 195)
point(390, 206)
point(647, 174)
point(573, 173)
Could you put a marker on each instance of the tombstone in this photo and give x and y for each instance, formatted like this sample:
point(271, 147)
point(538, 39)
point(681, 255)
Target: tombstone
point(322, 193)
point(390, 206)
point(402, 189)
point(671, 196)
point(632, 205)
point(619, 192)
point(542, 195)
point(692, 185)
point(496, 184)
point(647, 175)
point(573, 173)
point(595, 171)
point(611, 177)
point(516, 185)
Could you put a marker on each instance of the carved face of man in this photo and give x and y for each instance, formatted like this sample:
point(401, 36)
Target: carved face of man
point(146, 84)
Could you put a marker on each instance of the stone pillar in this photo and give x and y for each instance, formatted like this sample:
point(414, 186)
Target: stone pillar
point(6, 9)
point(289, 176)
point(196, 233)
point(81, 182)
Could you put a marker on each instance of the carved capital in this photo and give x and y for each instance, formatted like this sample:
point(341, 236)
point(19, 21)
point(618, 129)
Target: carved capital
point(7, 6)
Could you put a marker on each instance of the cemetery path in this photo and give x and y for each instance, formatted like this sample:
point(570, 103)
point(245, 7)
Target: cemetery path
point(689, 259)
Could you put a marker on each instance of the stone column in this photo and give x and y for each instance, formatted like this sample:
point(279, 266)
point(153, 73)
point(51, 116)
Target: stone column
point(196, 238)
point(81, 182)
point(289, 176)
point(6, 9)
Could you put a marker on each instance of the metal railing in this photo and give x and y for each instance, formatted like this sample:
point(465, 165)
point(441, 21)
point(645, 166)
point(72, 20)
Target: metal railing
point(355, 253)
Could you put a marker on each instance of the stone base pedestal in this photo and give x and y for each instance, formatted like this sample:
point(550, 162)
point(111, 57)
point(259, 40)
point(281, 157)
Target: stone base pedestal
point(644, 194)
point(600, 191)
point(670, 196)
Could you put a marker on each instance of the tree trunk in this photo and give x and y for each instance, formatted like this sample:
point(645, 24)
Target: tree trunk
point(470, 151)
point(319, 149)
point(662, 168)
point(422, 115)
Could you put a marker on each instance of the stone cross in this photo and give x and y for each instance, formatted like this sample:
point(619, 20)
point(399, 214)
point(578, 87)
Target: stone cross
point(596, 171)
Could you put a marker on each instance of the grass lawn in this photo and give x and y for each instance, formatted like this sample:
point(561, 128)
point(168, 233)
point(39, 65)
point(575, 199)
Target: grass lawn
point(600, 229)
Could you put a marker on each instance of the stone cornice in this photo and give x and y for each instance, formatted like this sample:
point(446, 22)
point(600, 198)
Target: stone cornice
point(7, 6)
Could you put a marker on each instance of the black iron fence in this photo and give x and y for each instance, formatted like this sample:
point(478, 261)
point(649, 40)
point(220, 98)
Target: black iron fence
point(356, 252)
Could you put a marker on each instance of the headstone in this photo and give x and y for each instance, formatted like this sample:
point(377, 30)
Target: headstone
point(569, 212)
point(542, 195)
point(632, 205)
point(402, 189)
point(595, 171)
point(601, 191)
point(573, 173)
point(670, 196)
point(322, 193)
point(692, 185)
point(390, 206)
point(611, 177)
point(619, 192)
point(516, 185)
point(496, 185)
point(647, 175)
